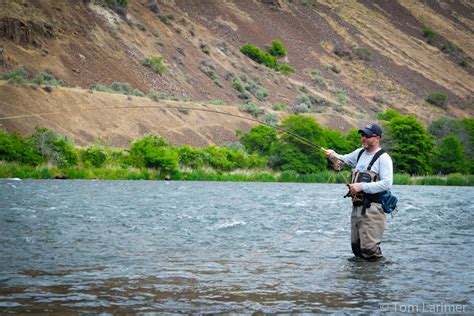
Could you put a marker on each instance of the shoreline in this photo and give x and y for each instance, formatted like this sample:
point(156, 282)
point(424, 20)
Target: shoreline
point(15, 170)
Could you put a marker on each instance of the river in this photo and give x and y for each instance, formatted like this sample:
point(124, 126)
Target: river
point(224, 247)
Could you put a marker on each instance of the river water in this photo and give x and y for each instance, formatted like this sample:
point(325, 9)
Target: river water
point(222, 247)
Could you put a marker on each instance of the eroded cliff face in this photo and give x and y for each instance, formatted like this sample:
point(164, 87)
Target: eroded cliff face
point(352, 59)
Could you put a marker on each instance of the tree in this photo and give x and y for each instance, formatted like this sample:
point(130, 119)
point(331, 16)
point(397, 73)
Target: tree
point(56, 149)
point(293, 154)
point(14, 147)
point(260, 139)
point(388, 115)
point(277, 49)
point(462, 129)
point(449, 156)
point(153, 151)
point(410, 145)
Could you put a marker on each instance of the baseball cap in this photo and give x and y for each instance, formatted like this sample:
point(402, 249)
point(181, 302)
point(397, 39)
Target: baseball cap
point(370, 130)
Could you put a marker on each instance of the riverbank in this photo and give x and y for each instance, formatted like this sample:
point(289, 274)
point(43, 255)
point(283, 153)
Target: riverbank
point(15, 170)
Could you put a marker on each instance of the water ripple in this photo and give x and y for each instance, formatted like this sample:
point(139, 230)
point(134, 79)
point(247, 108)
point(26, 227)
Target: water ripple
point(209, 247)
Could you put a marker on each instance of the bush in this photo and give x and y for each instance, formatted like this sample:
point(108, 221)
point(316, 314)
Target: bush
point(156, 96)
point(155, 63)
point(286, 69)
point(259, 139)
point(363, 53)
point(205, 49)
point(101, 88)
point(438, 99)
point(119, 6)
point(277, 49)
point(121, 87)
point(449, 156)
point(95, 156)
point(138, 93)
point(56, 149)
point(341, 96)
point(251, 108)
point(388, 115)
point(19, 75)
point(259, 56)
point(153, 151)
point(429, 34)
point(45, 78)
point(279, 106)
point(14, 147)
point(211, 74)
point(270, 119)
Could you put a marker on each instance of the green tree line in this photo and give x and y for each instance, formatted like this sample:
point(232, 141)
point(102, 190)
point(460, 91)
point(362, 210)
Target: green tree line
point(445, 147)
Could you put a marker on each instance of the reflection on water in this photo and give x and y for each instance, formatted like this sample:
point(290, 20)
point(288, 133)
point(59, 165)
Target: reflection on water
point(178, 247)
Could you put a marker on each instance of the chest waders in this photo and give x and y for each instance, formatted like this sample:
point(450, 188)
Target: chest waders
point(365, 176)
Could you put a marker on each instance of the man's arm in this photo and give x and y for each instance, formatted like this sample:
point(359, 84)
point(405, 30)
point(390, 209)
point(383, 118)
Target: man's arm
point(385, 172)
point(349, 159)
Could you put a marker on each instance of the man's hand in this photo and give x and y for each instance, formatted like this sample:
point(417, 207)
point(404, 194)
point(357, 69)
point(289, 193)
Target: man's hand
point(329, 153)
point(355, 187)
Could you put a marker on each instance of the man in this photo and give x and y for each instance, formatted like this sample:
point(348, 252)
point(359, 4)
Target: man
point(371, 177)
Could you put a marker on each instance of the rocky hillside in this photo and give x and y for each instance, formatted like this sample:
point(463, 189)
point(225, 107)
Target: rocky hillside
point(351, 60)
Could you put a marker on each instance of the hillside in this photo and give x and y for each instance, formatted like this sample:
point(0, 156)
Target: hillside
point(352, 60)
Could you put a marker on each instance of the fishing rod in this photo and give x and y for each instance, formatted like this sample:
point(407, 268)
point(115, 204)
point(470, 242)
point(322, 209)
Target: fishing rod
point(338, 163)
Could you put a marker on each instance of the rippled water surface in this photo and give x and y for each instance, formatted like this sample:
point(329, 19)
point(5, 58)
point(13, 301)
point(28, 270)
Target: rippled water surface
point(210, 247)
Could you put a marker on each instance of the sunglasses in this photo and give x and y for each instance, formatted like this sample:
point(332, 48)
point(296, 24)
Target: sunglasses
point(365, 136)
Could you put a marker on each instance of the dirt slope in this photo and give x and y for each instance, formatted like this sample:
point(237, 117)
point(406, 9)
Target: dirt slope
point(327, 42)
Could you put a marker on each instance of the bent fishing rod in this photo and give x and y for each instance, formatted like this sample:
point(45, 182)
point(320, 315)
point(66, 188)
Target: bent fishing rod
point(338, 163)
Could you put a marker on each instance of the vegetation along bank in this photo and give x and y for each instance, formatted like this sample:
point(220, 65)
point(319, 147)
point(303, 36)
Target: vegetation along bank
point(442, 154)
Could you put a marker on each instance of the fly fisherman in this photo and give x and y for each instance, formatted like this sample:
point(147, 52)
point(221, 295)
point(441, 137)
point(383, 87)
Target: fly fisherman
point(372, 175)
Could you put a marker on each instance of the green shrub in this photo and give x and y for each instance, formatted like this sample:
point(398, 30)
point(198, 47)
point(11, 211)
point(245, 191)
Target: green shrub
point(156, 96)
point(341, 96)
point(259, 139)
point(438, 98)
point(388, 115)
point(119, 6)
point(449, 156)
point(259, 56)
point(429, 34)
point(286, 69)
point(464, 63)
point(449, 48)
point(455, 179)
point(279, 106)
point(401, 179)
point(277, 49)
point(153, 151)
point(217, 102)
point(237, 85)
point(14, 147)
point(166, 19)
point(45, 78)
point(190, 157)
point(363, 53)
point(317, 78)
point(121, 87)
point(301, 108)
point(214, 77)
point(19, 76)
point(138, 93)
point(251, 108)
point(101, 88)
point(94, 155)
point(205, 49)
point(155, 63)
point(270, 118)
point(56, 149)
